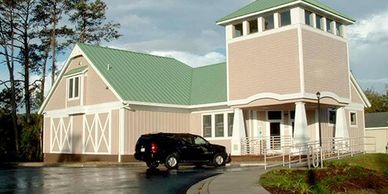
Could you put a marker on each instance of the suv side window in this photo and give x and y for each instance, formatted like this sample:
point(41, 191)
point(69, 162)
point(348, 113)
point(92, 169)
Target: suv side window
point(200, 141)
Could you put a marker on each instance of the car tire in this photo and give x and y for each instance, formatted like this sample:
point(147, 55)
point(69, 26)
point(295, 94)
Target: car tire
point(218, 160)
point(171, 161)
point(152, 165)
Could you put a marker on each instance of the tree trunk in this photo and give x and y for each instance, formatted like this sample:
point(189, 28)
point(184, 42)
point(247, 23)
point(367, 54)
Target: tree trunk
point(53, 45)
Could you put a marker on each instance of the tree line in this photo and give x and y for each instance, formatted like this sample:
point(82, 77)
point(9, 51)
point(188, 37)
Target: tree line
point(378, 100)
point(32, 35)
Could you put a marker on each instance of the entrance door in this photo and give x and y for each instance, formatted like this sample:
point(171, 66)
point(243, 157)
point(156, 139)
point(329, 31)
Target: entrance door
point(275, 135)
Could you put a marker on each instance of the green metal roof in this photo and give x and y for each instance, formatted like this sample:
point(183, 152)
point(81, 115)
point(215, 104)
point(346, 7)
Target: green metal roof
point(76, 70)
point(261, 5)
point(154, 79)
point(376, 120)
point(209, 84)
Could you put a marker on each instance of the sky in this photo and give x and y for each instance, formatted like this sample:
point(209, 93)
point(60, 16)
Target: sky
point(187, 31)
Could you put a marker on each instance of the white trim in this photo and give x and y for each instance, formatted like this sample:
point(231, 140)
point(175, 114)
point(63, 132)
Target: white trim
point(213, 124)
point(85, 109)
point(376, 128)
point(263, 33)
point(360, 91)
point(301, 61)
point(350, 119)
point(282, 6)
point(317, 124)
point(121, 134)
point(99, 130)
point(212, 111)
point(75, 53)
point(72, 98)
point(323, 33)
point(57, 132)
point(282, 97)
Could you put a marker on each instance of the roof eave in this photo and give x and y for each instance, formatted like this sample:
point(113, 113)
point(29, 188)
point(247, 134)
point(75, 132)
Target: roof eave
point(224, 22)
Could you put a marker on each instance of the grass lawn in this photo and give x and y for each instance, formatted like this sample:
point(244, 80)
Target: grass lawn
point(362, 174)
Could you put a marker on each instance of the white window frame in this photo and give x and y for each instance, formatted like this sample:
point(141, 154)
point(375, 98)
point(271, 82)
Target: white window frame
point(213, 120)
point(73, 89)
point(350, 119)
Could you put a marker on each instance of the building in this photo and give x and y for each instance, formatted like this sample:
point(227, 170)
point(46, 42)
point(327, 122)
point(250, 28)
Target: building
point(377, 127)
point(280, 53)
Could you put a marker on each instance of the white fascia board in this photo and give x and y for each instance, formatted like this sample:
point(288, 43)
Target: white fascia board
point(283, 97)
point(223, 23)
point(77, 51)
point(85, 109)
point(74, 53)
point(360, 91)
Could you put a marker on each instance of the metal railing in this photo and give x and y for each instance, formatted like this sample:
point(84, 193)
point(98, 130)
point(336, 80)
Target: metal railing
point(283, 151)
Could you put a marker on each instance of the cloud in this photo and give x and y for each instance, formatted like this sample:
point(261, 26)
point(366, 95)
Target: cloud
point(368, 42)
point(192, 59)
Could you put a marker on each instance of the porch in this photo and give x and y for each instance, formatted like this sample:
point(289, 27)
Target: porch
point(285, 131)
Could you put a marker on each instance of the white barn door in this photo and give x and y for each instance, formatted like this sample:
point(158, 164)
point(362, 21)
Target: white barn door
point(61, 130)
point(97, 134)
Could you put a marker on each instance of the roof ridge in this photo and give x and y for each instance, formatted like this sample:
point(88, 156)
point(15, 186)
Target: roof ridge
point(204, 66)
point(124, 50)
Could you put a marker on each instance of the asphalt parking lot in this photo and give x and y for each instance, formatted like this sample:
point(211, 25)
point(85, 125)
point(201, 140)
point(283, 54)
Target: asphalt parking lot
point(115, 179)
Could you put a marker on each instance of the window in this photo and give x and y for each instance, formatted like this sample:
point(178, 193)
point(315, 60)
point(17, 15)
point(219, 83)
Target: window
point(253, 28)
point(219, 125)
point(230, 124)
point(328, 25)
point(332, 116)
point(207, 126)
point(292, 116)
point(319, 22)
point(274, 115)
point(353, 119)
point(338, 28)
point(200, 141)
point(308, 17)
point(238, 30)
point(285, 18)
point(73, 89)
point(269, 22)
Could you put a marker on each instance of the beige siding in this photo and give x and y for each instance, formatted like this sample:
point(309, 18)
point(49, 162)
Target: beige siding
point(381, 136)
point(325, 64)
point(311, 124)
point(355, 96)
point(46, 135)
point(195, 123)
point(264, 64)
point(143, 121)
point(77, 134)
point(356, 131)
point(94, 90)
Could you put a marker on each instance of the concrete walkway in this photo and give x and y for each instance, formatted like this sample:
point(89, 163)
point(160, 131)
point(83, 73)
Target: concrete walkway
point(237, 181)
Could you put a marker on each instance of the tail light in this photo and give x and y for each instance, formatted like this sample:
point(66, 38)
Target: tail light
point(154, 148)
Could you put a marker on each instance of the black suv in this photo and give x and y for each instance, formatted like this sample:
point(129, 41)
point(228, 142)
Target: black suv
point(171, 149)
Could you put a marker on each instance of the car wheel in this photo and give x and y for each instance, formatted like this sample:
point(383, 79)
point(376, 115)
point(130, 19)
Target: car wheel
point(152, 165)
point(171, 161)
point(218, 160)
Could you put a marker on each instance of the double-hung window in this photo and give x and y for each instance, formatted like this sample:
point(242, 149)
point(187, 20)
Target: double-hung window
point(217, 125)
point(73, 88)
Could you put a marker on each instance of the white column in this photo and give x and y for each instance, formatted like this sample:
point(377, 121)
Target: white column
point(255, 133)
point(276, 20)
point(297, 16)
point(341, 129)
point(300, 131)
point(121, 133)
point(314, 20)
point(238, 131)
point(245, 28)
point(324, 24)
point(229, 30)
point(260, 24)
